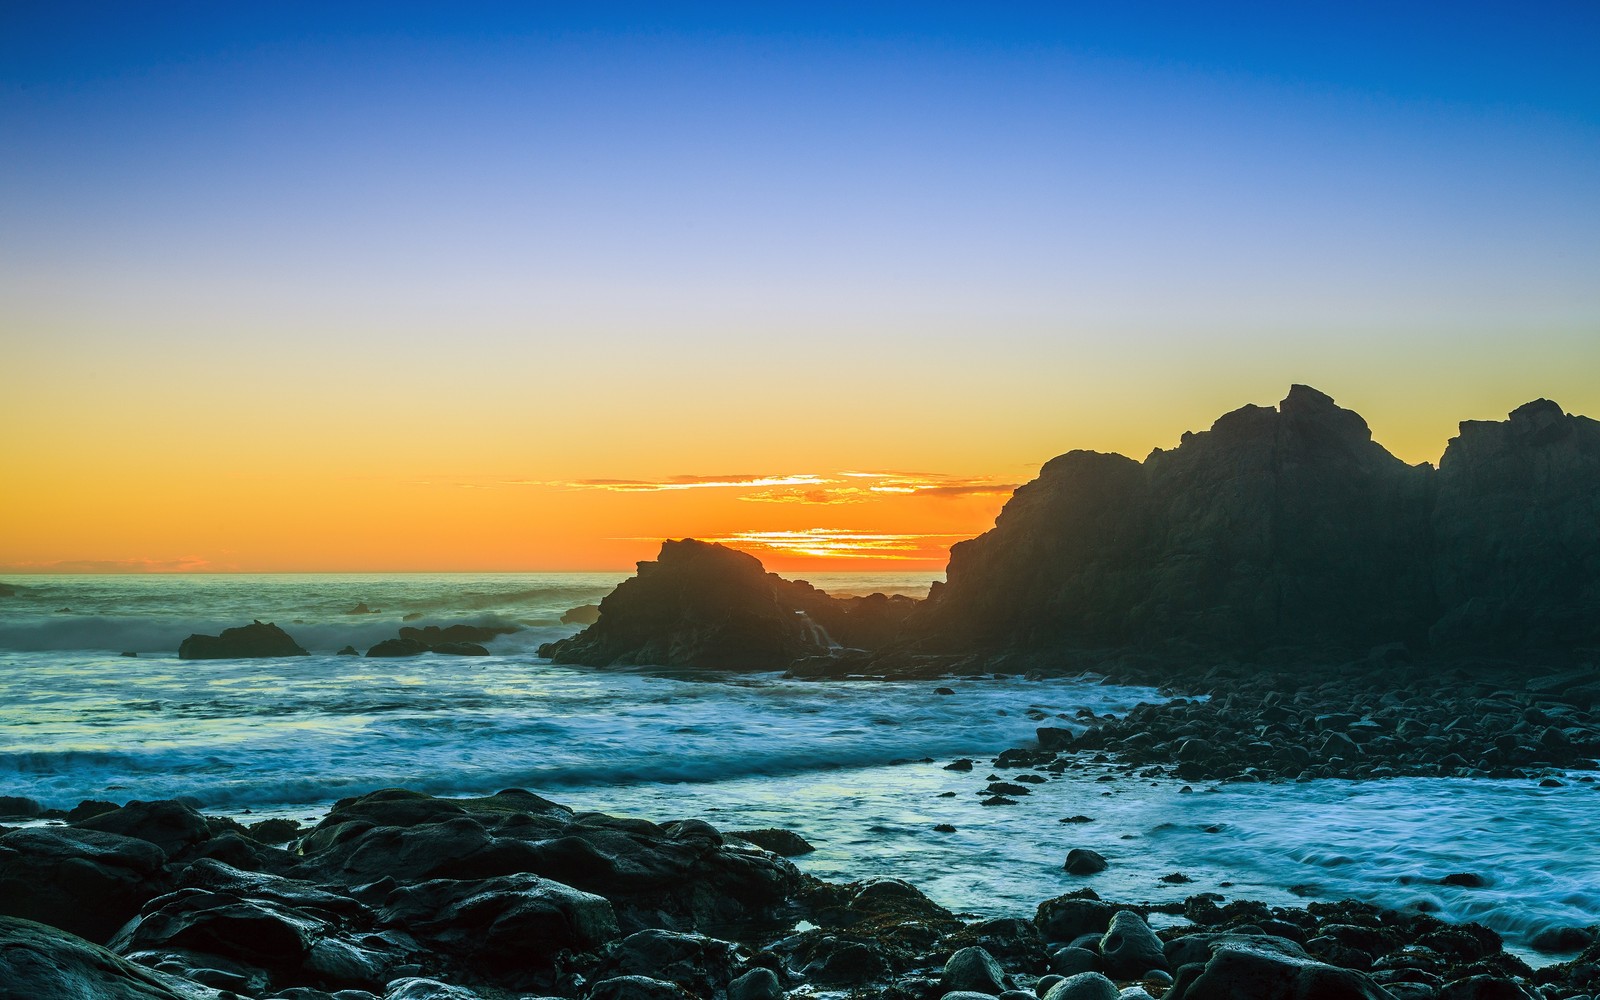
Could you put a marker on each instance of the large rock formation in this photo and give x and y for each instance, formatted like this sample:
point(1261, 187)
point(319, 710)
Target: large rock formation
point(257, 639)
point(700, 604)
point(1290, 527)
point(1516, 531)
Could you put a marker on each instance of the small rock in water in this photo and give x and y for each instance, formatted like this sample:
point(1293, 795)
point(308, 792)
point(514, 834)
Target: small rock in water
point(1554, 940)
point(944, 690)
point(1465, 880)
point(348, 651)
point(129, 652)
point(1078, 819)
point(944, 828)
point(1082, 861)
point(1176, 878)
point(998, 800)
point(785, 843)
point(963, 764)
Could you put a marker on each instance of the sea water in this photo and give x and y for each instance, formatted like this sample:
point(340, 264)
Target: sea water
point(855, 767)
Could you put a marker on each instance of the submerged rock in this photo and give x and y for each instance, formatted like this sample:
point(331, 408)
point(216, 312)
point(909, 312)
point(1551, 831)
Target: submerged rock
point(256, 640)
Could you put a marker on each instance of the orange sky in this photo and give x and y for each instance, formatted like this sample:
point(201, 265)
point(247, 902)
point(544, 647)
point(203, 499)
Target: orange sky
point(320, 289)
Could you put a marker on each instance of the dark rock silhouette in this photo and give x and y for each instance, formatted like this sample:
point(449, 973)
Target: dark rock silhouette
point(700, 604)
point(454, 640)
point(247, 641)
point(583, 614)
point(7, 590)
point(1290, 528)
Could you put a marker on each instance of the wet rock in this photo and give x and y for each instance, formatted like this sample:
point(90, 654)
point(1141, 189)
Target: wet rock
point(171, 826)
point(256, 640)
point(1130, 948)
point(1083, 986)
point(396, 648)
point(512, 920)
point(702, 965)
point(38, 962)
point(1265, 972)
point(757, 984)
point(1484, 988)
point(1066, 918)
point(83, 881)
point(785, 843)
point(348, 651)
point(583, 614)
point(459, 649)
point(433, 636)
point(1082, 861)
point(636, 988)
point(973, 970)
point(417, 988)
point(1465, 880)
point(1070, 961)
point(1554, 940)
point(90, 807)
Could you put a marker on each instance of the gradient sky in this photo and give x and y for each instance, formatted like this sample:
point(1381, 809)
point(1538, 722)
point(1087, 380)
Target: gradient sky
point(532, 286)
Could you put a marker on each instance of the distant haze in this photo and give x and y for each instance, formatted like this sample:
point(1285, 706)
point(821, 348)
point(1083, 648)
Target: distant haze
point(529, 287)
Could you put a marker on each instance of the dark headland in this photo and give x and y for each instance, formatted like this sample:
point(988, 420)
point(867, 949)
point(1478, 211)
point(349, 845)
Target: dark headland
point(1347, 615)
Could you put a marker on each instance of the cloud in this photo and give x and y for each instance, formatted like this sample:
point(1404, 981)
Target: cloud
point(685, 483)
point(840, 543)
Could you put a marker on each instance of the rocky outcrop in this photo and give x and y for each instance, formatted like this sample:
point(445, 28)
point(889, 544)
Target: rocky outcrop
point(700, 604)
point(1517, 533)
point(38, 962)
point(247, 641)
point(1290, 529)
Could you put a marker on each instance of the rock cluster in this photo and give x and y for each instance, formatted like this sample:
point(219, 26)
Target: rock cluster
point(1291, 527)
point(452, 640)
point(401, 896)
point(1369, 723)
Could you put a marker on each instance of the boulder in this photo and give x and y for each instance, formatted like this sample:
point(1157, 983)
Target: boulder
point(1130, 948)
point(973, 970)
point(702, 965)
point(757, 984)
point(84, 881)
point(17, 807)
point(38, 962)
point(1083, 986)
point(256, 640)
point(1082, 861)
point(1263, 973)
point(398, 648)
point(171, 826)
point(434, 636)
point(786, 843)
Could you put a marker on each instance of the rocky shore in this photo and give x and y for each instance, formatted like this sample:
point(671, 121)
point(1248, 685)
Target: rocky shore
point(401, 896)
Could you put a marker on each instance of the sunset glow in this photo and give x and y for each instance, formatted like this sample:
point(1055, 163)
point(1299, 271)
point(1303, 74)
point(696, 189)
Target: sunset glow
point(533, 287)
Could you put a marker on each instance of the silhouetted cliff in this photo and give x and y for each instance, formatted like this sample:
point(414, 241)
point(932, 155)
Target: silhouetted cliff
point(1281, 533)
point(1291, 527)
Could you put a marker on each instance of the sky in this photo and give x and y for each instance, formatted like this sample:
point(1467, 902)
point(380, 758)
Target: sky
point(390, 287)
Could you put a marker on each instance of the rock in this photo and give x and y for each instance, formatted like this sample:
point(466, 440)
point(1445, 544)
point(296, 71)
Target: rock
point(1263, 972)
point(1069, 917)
point(257, 933)
point(1130, 948)
point(1070, 961)
point(583, 614)
point(973, 970)
point(785, 843)
point(38, 962)
point(348, 651)
point(417, 988)
point(433, 636)
point(1484, 988)
point(256, 640)
point(637, 988)
point(1083, 986)
point(7, 590)
point(494, 922)
point(17, 807)
point(757, 984)
point(1082, 861)
point(1290, 529)
point(1465, 880)
point(362, 609)
point(83, 881)
point(459, 649)
point(704, 605)
point(1555, 940)
point(701, 965)
point(171, 826)
point(90, 807)
point(395, 648)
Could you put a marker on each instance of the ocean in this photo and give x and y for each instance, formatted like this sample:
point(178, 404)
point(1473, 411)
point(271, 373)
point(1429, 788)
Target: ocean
point(855, 767)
